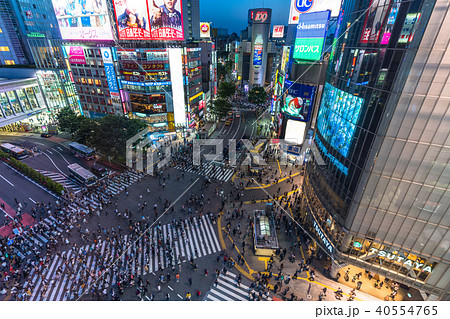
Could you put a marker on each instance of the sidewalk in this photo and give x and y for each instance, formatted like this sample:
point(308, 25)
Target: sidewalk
point(7, 231)
point(301, 286)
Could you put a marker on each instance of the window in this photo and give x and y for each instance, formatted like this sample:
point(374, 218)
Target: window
point(4, 48)
point(9, 62)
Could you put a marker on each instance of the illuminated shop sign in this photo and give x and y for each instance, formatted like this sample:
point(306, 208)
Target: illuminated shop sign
point(298, 100)
point(310, 37)
point(406, 261)
point(146, 83)
point(260, 16)
point(278, 31)
point(322, 237)
point(300, 7)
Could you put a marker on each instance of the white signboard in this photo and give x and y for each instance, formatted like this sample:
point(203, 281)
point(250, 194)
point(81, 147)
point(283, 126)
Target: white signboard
point(305, 6)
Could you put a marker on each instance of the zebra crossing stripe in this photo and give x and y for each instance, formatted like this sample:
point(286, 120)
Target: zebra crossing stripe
point(219, 294)
point(205, 233)
point(200, 239)
point(230, 292)
point(208, 223)
point(190, 240)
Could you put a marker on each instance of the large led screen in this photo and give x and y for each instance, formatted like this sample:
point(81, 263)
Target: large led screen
point(83, 19)
point(339, 112)
point(149, 20)
point(298, 100)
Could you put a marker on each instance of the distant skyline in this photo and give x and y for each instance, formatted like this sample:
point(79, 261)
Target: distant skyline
point(232, 14)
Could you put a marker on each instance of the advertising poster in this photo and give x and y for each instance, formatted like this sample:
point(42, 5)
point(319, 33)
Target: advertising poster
point(310, 37)
point(83, 19)
point(298, 100)
point(76, 55)
point(257, 54)
point(111, 77)
point(374, 21)
point(409, 27)
point(299, 7)
point(205, 30)
point(278, 31)
point(149, 20)
point(390, 21)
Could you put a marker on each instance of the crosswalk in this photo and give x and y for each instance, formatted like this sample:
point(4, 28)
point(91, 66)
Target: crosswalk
point(63, 180)
point(208, 169)
point(228, 290)
point(160, 247)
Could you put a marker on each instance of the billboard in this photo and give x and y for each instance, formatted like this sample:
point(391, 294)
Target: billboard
point(374, 20)
point(295, 132)
point(285, 58)
point(310, 38)
point(409, 27)
point(257, 54)
point(339, 112)
point(176, 77)
point(83, 20)
point(205, 30)
point(75, 55)
point(390, 21)
point(299, 7)
point(298, 100)
point(149, 20)
point(278, 31)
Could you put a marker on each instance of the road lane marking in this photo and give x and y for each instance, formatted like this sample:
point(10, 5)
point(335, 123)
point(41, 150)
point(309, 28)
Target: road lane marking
point(50, 152)
point(170, 288)
point(55, 165)
point(7, 181)
point(180, 296)
point(32, 200)
point(40, 143)
point(62, 156)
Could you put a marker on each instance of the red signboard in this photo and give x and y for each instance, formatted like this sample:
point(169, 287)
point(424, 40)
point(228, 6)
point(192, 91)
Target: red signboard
point(144, 66)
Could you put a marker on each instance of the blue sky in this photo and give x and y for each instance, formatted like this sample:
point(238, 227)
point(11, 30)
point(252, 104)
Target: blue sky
point(232, 14)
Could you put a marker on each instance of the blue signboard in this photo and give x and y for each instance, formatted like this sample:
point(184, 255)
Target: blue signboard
point(313, 25)
point(111, 78)
point(10, 242)
point(146, 83)
point(298, 100)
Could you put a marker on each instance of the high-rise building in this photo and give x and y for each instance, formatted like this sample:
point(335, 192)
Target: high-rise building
point(21, 20)
point(191, 19)
point(375, 193)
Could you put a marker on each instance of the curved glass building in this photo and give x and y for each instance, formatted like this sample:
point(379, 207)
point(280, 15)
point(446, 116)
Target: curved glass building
point(376, 191)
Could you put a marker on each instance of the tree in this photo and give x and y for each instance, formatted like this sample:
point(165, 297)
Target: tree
point(257, 95)
point(220, 107)
point(85, 130)
point(226, 90)
point(68, 120)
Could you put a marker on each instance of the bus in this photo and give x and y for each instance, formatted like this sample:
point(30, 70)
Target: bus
point(82, 150)
point(15, 151)
point(81, 175)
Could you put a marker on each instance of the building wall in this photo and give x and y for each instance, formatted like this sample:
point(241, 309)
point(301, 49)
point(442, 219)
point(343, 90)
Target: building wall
point(191, 19)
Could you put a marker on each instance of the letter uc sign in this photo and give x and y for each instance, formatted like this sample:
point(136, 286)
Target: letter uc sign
point(303, 6)
point(261, 16)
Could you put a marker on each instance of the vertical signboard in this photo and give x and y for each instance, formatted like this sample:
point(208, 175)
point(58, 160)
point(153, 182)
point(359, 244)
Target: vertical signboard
point(176, 77)
point(258, 50)
point(111, 77)
point(205, 30)
point(310, 38)
point(298, 101)
point(299, 7)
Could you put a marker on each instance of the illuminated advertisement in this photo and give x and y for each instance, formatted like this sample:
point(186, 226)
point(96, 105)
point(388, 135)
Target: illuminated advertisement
point(83, 19)
point(409, 27)
point(310, 38)
point(339, 112)
point(374, 20)
point(146, 66)
point(176, 77)
point(285, 58)
point(278, 31)
point(258, 50)
point(75, 55)
point(149, 20)
point(261, 16)
point(298, 100)
point(148, 104)
point(295, 132)
point(111, 77)
point(299, 7)
point(390, 21)
point(205, 30)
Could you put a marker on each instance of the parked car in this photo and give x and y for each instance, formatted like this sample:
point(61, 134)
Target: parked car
point(46, 134)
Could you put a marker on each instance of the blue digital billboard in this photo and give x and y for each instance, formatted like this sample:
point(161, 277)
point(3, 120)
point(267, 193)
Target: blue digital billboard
point(339, 112)
point(298, 100)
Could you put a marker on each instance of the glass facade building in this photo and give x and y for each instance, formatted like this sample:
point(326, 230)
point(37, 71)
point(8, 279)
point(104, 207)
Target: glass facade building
point(375, 193)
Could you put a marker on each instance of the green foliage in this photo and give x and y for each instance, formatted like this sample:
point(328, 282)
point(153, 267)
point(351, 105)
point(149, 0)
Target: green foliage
point(31, 173)
point(220, 107)
point(257, 95)
point(107, 135)
point(226, 90)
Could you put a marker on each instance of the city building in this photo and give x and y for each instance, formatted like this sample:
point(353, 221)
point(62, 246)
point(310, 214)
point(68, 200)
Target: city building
point(21, 100)
point(21, 20)
point(375, 193)
point(191, 19)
